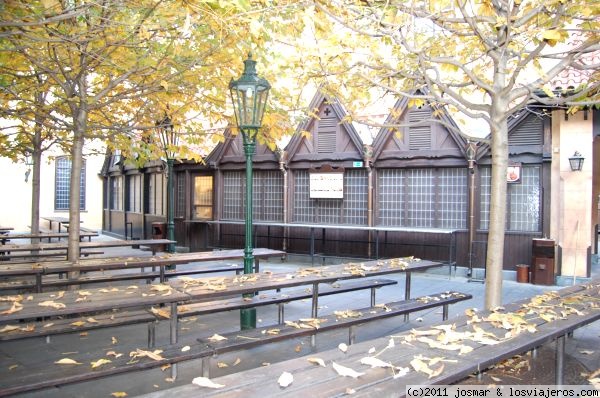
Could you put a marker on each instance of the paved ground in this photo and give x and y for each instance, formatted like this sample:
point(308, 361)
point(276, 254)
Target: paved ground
point(583, 349)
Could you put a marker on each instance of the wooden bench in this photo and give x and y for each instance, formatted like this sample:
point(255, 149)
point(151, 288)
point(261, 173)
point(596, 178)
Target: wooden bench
point(15, 258)
point(516, 329)
point(51, 281)
point(47, 374)
point(280, 298)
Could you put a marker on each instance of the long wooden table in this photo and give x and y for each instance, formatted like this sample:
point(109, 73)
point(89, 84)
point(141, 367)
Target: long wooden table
point(44, 235)
point(40, 269)
point(187, 290)
point(59, 246)
point(520, 327)
point(55, 219)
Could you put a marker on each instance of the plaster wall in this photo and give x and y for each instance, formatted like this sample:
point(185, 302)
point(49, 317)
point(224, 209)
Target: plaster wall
point(15, 202)
point(571, 191)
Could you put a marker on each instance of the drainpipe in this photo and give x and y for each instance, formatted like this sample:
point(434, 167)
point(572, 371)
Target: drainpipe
point(282, 167)
point(367, 155)
point(471, 153)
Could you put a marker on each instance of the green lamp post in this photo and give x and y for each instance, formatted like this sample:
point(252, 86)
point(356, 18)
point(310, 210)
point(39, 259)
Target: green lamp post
point(169, 141)
point(249, 96)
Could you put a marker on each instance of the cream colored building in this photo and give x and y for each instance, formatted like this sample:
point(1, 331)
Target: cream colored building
point(15, 209)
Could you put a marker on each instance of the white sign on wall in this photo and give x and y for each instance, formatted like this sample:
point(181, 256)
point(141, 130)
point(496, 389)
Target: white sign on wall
point(326, 185)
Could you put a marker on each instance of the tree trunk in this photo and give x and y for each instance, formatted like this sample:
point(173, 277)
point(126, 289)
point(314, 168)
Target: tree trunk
point(36, 157)
point(497, 226)
point(75, 186)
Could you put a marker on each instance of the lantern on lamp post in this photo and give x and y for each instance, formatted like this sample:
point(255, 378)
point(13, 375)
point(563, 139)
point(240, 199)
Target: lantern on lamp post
point(249, 96)
point(169, 141)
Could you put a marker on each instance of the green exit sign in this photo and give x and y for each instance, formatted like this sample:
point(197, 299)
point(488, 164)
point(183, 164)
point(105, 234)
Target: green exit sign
point(357, 164)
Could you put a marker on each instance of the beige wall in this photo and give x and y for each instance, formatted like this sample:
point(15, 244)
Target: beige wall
point(571, 194)
point(15, 203)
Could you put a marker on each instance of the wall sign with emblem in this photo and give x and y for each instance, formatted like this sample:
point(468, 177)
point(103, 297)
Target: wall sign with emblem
point(327, 183)
point(513, 173)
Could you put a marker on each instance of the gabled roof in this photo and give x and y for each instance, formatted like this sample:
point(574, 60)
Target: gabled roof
point(231, 152)
point(388, 143)
point(301, 146)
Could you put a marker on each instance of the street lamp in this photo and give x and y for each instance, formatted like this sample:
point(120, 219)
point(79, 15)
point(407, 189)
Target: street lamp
point(576, 161)
point(169, 140)
point(249, 96)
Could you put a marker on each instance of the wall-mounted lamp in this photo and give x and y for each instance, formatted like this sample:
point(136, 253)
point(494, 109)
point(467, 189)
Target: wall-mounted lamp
point(471, 151)
point(576, 161)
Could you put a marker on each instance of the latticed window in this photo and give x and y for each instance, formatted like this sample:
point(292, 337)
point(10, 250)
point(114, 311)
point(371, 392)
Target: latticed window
point(116, 193)
point(203, 197)
point(157, 194)
point(134, 200)
point(427, 198)
point(351, 210)
point(62, 185)
point(267, 195)
point(180, 195)
point(523, 200)
point(233, 195)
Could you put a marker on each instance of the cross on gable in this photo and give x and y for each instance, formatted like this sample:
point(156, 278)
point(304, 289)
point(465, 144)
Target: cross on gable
point(327, 111)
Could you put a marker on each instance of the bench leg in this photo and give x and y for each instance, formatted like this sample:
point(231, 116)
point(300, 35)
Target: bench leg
point(205, 370)
point(280, 316)
point(151, 334)
point(315, 300)
point(560, 357)
point(407, 292)
point(373, 296)
point(351, 335)
point(445, 312)
point(48, 339)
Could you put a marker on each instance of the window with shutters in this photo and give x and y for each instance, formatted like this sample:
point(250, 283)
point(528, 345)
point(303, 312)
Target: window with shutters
point(529, 132)
point(419, 130)
point(326, 134)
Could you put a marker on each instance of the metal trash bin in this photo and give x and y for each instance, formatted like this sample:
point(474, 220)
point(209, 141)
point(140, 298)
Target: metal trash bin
point(159, 231)
point(543, 256)
point(522, 273)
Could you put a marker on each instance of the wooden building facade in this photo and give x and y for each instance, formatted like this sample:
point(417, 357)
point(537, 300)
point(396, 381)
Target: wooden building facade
point(406, 194)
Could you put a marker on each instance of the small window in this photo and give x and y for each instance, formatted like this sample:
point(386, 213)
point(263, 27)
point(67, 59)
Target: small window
point(62, 184)
point(203, 197)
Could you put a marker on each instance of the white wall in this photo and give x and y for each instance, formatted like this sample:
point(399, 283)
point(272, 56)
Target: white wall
point(15, 203)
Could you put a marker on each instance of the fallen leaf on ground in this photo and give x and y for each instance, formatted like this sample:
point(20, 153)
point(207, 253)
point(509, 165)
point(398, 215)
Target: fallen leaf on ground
point(100, 362)
point(285, 379)
point(206, 382)
point(375, 362)
point(236, 362)
point(222, 365)
point(346, 372)
point(92, 320)
point(298, 348)
point(139, 353)
point(586, 352)
point(16, 306)
point(217, 337)
point(113, 340)
point(343, 347)
point(67, 361)
point(53, 304)
point(114, 354)
point(78, 323)
point(317, 361)
point(119, 394)
point(185, 349)
point(161, 312)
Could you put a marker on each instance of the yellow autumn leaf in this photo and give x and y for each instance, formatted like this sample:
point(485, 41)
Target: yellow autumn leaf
point(161, 312)
point(551, 34)
point(100, 362)
point(119, 394)
point(78, 323)
point(67, 361)
point(216, 337)
point(53, 304)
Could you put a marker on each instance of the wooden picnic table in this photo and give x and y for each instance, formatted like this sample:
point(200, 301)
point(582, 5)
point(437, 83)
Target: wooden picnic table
point(40, 269)
point(503, 333)
point(55, 219)
point(4, 230)
point(54, 246)
point(44, 235)
point(205, 289)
